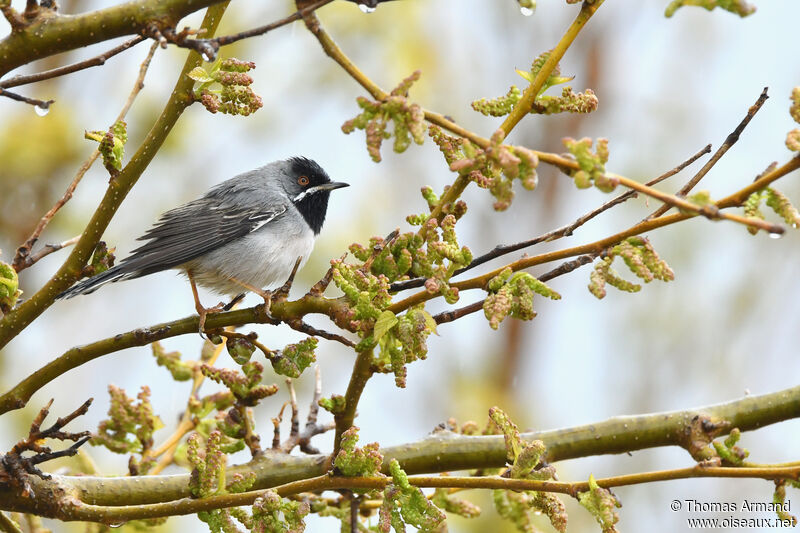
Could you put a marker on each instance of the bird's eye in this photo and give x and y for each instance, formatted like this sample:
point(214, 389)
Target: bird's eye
point(303, 180)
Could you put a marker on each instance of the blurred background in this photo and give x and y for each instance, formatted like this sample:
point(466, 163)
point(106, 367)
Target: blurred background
point(726, 327)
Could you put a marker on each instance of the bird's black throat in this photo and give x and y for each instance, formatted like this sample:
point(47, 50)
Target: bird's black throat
point(313, 207)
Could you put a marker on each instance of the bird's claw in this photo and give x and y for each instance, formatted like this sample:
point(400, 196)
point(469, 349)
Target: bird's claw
point(203, 312)
point(267, 295)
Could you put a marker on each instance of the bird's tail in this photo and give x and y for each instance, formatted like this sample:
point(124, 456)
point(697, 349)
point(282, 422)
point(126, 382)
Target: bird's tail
point(90, 285)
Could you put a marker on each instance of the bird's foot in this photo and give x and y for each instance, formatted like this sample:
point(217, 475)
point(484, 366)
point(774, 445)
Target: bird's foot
point(203, 312)
point(267, 296)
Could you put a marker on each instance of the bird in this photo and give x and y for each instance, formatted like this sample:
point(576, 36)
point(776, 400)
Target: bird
point(248, 232)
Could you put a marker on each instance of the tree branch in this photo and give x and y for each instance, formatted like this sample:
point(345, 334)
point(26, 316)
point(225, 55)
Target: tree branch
point(362, 371)
point(209, 47)
point(286, 311)
point(41, 104)
point(525, 103)
point(564, 268)
point(55, 33)
point(734, 200)
point(564, 231)
point(69, 69)
point(730, 140)
point(115, 499)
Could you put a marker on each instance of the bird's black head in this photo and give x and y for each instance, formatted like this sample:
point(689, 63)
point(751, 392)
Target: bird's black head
point(309, 187)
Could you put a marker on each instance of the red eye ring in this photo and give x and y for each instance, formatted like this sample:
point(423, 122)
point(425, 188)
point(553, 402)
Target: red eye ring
point(303, 180)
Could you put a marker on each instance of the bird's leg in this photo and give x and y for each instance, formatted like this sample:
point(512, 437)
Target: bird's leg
point(202, 311)
point(267, 295)
point(279, 294)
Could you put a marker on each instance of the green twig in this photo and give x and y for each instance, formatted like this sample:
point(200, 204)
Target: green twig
point(358, 380)
point(525, 103)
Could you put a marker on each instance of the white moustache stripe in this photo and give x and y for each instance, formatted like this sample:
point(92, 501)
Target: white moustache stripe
point(306, 192)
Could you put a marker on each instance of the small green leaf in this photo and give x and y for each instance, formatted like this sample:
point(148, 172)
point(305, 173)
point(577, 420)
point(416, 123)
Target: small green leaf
point(200, 74)
point(526, 75)
point(429, 321)
point(386, 321)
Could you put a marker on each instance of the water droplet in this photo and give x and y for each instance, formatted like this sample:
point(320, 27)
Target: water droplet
point(365, 8)
point(115, 526)
point(42, 110)
point(207, 57)
point(775, 235)
point(526, 11)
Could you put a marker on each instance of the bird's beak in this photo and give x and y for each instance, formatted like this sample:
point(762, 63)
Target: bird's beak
point(331, 186)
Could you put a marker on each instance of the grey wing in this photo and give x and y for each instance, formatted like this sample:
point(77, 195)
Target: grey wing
point(189, 231)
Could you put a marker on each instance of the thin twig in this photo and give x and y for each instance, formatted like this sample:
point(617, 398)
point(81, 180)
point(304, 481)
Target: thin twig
point(311, 428)
point(42, 104)
point(730, 140)
point(18, 468)
point(14, 19)
point(318, 289)
point(23, 258)
point(7, 525)
point(46, 250)
point(308, 329)
point(710, 210)
point(455, 314)
point(362, 372)
point(208, 48)
point(294, 429)
point(283, 291)
point(563, 268)
point(188, 421)
point(313, 410)
point(354, 503)
point(69, 69)
point(523, 107)
point(564, 231)
point(733, 200)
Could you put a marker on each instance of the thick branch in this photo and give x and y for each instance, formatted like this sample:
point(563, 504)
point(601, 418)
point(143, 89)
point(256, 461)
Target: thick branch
point(18, 396)
point(50, 33)
point(113, 498)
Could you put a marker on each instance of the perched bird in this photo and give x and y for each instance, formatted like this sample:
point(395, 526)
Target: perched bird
point(245, 233)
